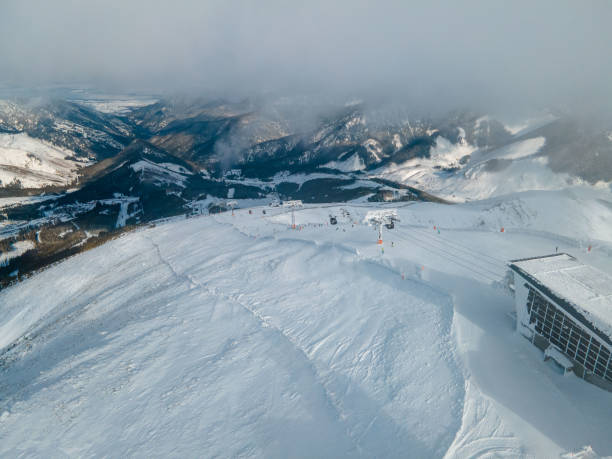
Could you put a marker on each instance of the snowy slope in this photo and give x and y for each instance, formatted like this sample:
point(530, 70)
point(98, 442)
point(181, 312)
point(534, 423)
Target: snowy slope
point(353, 163)
point(513, 168)
point(116, 105)
point(522, 127)
point(516, 150)
point(168, 347)
point(580, 216)
point(163, 173)
point(17, 248)
point(35, 163)
point(19, 200)
point(236, 336)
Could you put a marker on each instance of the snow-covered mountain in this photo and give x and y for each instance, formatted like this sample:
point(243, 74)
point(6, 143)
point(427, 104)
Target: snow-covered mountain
point(67, 124)
point(464, 154)
point(107, 163)
point(235, 335)
point(139, 317)
point(546, 153)
point(460, 156)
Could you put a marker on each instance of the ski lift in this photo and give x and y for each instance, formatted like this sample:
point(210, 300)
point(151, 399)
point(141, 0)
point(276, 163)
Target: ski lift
point(332, 220)
point(232, 205)
point(380, 218)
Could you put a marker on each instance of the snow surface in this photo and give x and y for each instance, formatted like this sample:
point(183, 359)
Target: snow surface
point(518, 150)
point(530, 124)
point(237, 336)
point(176, 168)
point(446, 154)
point(397, 142)
point(36, 163)
point(300, 179)
point(524, 171)
point(374, 148)
point(117, 106)
point(17, 249)
point(163, 173)
point(124, 204)
point(351, 164)
point(22, 200)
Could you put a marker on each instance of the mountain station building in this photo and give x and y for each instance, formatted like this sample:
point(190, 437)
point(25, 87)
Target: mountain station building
point(564, 307)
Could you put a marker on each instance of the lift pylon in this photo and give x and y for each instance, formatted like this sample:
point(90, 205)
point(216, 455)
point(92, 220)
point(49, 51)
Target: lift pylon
point(231, 205)
point(293, 205)
point(379, 218)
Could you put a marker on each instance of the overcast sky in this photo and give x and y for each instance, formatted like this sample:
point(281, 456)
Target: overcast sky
point(447, 53)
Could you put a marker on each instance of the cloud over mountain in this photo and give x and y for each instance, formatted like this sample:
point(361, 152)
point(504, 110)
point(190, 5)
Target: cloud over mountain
point(448, 54)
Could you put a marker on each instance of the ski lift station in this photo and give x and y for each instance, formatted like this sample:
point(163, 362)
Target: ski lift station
point(565, 308)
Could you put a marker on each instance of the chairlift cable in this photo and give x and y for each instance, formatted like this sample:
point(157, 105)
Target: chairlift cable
point(472, 253)
point(448, 256)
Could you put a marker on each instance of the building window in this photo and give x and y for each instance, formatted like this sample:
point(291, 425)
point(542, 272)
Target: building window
point(561, 330)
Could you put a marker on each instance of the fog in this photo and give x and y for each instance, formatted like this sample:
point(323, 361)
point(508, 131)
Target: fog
point(496, 56)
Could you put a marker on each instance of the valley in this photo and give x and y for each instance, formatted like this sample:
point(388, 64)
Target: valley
point(89, 166)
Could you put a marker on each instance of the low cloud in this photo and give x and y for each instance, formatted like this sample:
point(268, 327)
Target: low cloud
point(483, 55)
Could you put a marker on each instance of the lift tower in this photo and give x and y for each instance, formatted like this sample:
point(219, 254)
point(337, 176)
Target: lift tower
point(231, 205)
point(293, 205)
point(378, 218)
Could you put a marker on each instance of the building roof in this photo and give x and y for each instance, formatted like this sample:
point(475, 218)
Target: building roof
point(566, 280)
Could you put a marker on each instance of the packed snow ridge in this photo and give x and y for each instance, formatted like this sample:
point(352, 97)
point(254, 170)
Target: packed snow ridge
point(234, 335)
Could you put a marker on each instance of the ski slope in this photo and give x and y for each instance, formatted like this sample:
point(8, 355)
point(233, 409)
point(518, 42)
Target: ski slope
point(238, 336)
